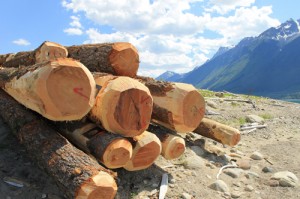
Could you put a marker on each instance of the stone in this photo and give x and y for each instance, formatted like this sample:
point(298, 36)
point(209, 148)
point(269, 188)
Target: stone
point(193, 162)
point(233, 172)
point(211, 104)
point(251, 175)
point(255, 119)
point(219, 185)
point(285, 178)
point(267, 170)
point(249, 188)
point(273, 183)
point(44, 195)
point(256, 156)
point(172, 181)
point(198, 150)
point(236, 194)
point(186, 196)
point(244, 164)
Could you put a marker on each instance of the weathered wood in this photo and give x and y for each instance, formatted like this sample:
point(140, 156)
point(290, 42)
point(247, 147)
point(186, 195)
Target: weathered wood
point(120, 58)
point(173, 146)
point(176, 106)
point(59, 90)
point(47, 51)
point(146, 149)
point(77, 175)
point(111, 150)
point(123, 105)
point(218, 132)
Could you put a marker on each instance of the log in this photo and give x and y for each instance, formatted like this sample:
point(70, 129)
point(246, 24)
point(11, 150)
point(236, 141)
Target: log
point(47, 51)
point(111, 150)
point(218, 132)
point(123, 105)
point(146, 149)
point(77, 175)
point(173, 146)
point(59, 90)
point(119, 58)
point(177, 106)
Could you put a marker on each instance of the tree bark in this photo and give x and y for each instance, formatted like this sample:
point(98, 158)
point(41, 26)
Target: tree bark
point(6, 57)
point(77, 175)
point(119, 58)
point(173, 146)
point(111, 150)
point(218, 132)
point(123, 105)
point(47, 51)
point(59, 90)
point(146, 149)
point(176, 106)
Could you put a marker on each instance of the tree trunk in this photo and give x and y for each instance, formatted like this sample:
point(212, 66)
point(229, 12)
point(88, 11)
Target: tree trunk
point(77, 175)
point(176, 106)
point(173, 146)
point(59, 90)
point(146, 149)
point(123, 105)
point(111, 150)
point(47, 51)
point(119, 58)
point(218, 132)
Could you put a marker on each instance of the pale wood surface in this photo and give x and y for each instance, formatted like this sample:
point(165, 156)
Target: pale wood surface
point(59, 90)
point(123, 105)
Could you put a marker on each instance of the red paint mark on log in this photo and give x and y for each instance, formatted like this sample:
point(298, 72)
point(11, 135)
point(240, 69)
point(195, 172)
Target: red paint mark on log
point(79, 92)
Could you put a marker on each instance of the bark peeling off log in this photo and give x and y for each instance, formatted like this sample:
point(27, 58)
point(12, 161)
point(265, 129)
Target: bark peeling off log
point(72, 169)
point(157, 88)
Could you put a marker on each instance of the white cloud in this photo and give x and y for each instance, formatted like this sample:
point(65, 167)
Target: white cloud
point(21, 42)
point(168, 35)
point(76, 27)
point(223, 7)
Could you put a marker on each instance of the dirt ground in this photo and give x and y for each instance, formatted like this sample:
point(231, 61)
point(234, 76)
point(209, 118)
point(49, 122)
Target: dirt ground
point(279, 144)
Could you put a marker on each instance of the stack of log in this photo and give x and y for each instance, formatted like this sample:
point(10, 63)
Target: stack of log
point(91, 96)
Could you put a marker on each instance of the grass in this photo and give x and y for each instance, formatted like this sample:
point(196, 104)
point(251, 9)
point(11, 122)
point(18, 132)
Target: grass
point(242, 120)
point(266, 116)
point(209, 93)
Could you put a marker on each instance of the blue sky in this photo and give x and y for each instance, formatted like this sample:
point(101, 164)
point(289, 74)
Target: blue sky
point(170, 35)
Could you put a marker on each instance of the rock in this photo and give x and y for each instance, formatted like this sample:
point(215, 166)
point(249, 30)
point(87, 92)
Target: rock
point(171, 185)
point(198, 150)
point(273, 183)
point(249, 188)
point(285, 179)
point(236, 194)
point(255, 119)
point(219, 185)
point(244, 164)
point(267, 170)
point(44, 195)
point(210, 165)
point(172, 181)
point(186, 196)
point(193, 162)
point(233, 172)
point(251, 175)
point(219, 94)
point(211, 104)
point(256, 156)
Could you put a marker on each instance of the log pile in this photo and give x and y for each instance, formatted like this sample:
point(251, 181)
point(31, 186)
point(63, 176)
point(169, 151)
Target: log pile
point(67, 104)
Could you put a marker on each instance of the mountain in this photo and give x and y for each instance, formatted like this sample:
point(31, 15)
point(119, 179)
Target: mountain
point(266, 65)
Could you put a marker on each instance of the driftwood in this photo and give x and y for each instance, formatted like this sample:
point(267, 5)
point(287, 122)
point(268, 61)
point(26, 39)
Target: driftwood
point(176, 106)
point(111, 150)
point(59, 90)
point(123, 105)
point(77, 175)
point(47, 51)
point(119, 58)
point(253, 127)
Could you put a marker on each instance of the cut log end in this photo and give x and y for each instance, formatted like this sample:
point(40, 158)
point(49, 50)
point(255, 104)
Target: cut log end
point(100, 186)
point(124, 56)
point(173, 147)
point(147, 149)
point(130, 105)
point(68, 92)
point(50, 51)
point(117, 153)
